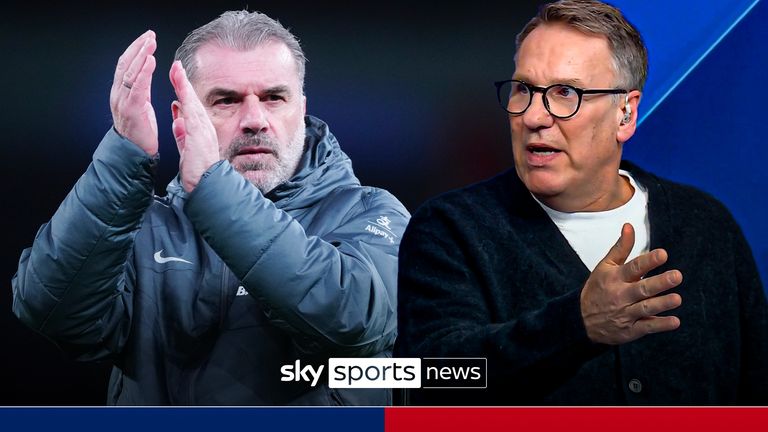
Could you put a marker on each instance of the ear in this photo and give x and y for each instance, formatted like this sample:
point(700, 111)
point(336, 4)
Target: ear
point(178, 125)
point(304, 105)
point(627, 116)
point(175, 109)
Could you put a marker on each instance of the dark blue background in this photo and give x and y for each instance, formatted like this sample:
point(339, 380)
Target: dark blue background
point(134, 419)
point(710, 131)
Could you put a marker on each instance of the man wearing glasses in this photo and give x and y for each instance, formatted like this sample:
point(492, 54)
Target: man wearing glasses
point(580, 277)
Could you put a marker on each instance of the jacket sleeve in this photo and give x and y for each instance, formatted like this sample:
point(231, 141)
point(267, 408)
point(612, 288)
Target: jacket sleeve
point(334, 294)
point(71, 284)
point(445, 310)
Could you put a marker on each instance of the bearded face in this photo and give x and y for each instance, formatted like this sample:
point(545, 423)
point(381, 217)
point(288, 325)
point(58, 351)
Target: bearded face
point(261, 159)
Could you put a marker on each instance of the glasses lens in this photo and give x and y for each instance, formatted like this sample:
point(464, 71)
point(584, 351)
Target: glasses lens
point(563, 100)
point(514, 96)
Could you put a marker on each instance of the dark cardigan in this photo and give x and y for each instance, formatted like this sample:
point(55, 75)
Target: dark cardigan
point(484, 272)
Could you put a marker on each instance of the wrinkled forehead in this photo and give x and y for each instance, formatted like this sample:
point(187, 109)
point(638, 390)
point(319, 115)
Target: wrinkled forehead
point(558, 53)
point(270, 61)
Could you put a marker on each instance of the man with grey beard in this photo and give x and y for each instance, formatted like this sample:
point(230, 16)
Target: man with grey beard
point(285, 165)
point(266, 255)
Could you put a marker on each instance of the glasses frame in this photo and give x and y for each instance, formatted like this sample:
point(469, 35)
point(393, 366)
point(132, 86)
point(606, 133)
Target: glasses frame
point(543, 90)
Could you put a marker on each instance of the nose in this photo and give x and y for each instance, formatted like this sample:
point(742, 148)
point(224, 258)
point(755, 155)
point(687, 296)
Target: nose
point(253, 118)
point(537, 116)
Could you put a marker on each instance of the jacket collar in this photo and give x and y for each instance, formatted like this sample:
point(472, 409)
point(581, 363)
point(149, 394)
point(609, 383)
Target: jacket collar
point(323, 167)
point(660, 209)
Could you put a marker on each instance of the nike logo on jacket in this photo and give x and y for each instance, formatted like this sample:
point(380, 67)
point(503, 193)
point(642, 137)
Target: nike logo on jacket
point(162, 260)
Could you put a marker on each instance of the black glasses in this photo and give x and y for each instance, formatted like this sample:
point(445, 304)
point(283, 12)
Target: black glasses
point(560, 100)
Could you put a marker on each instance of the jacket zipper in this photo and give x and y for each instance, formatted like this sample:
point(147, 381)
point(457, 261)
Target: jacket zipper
point(224, 304)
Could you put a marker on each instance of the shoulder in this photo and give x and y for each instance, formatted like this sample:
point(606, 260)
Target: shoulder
point(472, 212)
point(363, 199)
point(487, 195)
point(479, 200)
point(360, 212)
point(677, 194)
point(684, 203)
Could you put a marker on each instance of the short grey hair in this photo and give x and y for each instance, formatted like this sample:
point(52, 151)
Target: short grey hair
point(243, 31)
point(630, 56)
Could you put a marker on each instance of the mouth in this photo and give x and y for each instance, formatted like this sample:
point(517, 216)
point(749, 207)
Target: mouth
point(254, 150)
point(540, 155)
point(539, 149)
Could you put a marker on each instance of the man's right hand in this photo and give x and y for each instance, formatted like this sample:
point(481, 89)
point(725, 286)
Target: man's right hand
point(618, 305)
point(130, 99)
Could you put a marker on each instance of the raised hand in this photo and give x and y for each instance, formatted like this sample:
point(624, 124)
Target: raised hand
point(194, 133)
point(130, 99)
point(618, 305)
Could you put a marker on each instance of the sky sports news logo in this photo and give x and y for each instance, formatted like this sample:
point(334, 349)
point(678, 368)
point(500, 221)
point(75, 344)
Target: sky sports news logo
point(391, 373)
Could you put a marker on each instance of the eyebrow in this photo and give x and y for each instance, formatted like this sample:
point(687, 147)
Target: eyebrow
point(276, 90)
point(221, 92)
point(567, 81)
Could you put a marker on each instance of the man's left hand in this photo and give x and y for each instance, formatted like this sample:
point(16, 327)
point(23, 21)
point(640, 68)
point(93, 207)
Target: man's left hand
point(194, 133)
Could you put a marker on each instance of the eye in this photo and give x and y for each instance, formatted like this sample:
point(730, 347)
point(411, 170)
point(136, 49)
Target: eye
point(564, 91)
point(224, 101)
point(275, 98)
point(519, 88)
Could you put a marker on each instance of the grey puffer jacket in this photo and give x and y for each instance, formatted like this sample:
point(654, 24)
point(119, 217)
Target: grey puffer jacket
point(201, 298)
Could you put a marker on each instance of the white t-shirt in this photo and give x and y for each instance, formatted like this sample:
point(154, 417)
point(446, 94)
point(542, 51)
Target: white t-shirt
point(592, 234)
